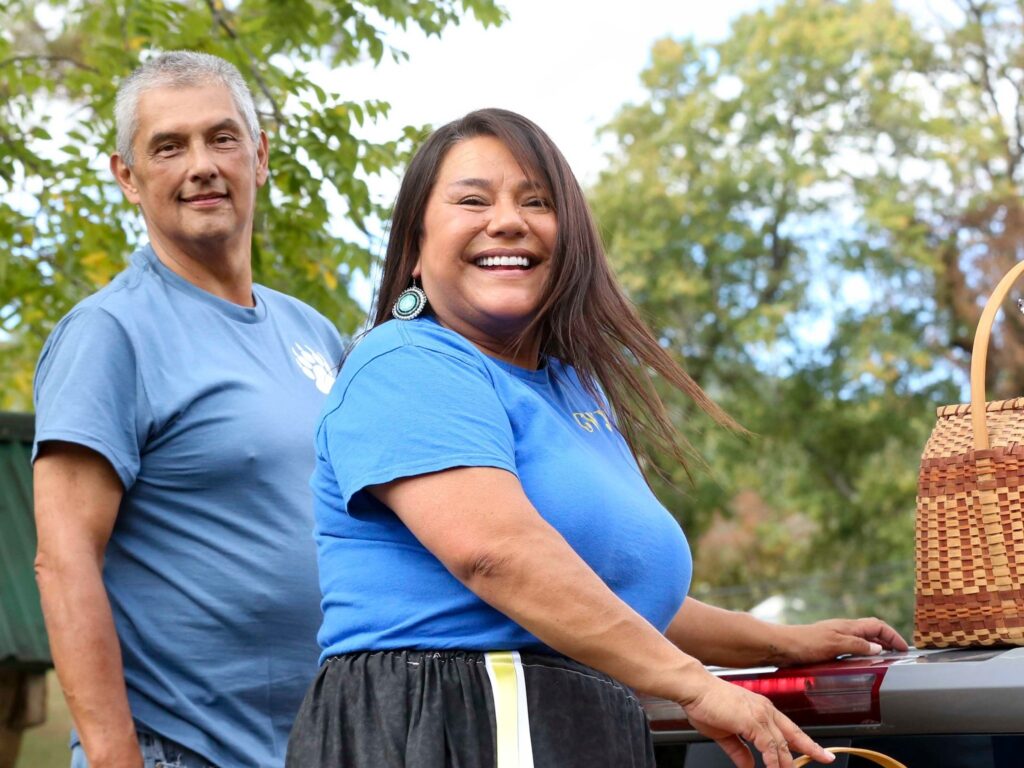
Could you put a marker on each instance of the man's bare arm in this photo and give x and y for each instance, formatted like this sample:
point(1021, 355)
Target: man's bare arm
point(77, 495)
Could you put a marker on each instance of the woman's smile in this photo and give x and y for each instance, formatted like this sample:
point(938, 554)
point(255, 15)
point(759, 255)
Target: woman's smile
point(500, 259)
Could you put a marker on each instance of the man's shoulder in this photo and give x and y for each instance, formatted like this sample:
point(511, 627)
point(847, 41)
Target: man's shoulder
point(112, 305)
point(119, 297)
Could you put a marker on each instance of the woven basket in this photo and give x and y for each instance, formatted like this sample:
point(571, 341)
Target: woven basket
point(969, 554)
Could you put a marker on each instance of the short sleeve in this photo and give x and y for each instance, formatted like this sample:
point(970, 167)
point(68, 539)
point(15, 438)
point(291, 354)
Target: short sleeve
point(411, 411)
point(87, 391)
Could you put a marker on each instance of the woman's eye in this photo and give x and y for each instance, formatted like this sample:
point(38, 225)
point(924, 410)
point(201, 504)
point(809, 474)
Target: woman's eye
point(537, 202)
point(473, 200)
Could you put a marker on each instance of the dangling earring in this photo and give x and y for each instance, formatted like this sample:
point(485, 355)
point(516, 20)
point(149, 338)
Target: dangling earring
point(411, 302)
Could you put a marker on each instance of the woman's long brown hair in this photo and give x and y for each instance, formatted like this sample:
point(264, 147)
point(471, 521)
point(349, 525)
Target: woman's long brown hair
point(584, 318)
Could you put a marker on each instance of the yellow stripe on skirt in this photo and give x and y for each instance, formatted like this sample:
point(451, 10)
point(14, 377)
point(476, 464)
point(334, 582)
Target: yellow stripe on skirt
point(512, 739)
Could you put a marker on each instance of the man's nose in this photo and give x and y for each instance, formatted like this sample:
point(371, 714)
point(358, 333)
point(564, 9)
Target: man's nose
point(201, 165)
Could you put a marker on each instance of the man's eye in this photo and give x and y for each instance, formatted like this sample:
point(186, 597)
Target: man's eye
point(224, 138)
point(166, 149)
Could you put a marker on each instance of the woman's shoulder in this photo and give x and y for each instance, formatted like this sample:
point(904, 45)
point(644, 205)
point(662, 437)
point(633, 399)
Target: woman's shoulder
point(408, 338)
point(403, 358)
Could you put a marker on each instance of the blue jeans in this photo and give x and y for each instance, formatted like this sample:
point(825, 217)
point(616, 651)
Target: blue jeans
point(157, 752)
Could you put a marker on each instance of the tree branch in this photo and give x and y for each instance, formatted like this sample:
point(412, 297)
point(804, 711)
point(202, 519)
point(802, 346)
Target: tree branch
point(223, 23)
point(28, 161)
point(983, 56)
point(959, 300)
point(49, 59)
point(1018, 118)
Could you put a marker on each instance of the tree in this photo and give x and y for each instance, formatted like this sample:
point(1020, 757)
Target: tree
point(64, 228)
point(811, 212)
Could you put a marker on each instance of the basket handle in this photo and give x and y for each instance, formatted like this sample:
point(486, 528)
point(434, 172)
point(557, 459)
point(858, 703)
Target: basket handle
point(868, 754)
point(980, 353)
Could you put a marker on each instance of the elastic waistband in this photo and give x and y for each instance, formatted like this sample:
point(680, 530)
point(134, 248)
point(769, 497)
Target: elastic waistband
point(532, 657)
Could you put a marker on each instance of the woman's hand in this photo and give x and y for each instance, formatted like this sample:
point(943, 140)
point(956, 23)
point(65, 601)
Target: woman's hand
point(736, 639)
point(732, 715)
point(824, 640)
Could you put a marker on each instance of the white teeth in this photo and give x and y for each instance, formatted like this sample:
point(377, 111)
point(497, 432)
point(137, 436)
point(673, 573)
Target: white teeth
point(502, 261)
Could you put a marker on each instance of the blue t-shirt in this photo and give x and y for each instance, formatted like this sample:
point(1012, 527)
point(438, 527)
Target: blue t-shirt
point(205, 409)
point(413, 398)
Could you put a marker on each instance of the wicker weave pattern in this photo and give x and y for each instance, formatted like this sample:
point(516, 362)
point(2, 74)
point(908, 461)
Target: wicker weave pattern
point(970, 531)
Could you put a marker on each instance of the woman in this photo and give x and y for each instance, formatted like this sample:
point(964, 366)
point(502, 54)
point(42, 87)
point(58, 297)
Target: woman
point(477, 493)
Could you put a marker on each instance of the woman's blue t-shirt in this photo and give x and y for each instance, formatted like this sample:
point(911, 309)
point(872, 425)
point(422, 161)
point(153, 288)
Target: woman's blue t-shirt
point(414, 397)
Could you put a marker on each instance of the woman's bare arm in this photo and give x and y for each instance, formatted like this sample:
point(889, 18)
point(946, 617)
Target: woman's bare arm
point(736, 639)
point(480, 524)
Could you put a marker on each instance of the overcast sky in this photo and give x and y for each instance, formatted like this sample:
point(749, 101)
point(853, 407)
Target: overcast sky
point(566, 64)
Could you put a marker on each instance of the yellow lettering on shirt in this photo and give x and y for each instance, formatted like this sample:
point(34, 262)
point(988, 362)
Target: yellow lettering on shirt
point(592, 420)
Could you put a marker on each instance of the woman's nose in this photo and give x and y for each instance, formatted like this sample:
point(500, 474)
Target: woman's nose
point(506, 219)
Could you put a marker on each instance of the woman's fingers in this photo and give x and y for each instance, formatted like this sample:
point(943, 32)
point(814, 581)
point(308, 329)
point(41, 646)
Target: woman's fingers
point(771, 743)
point(736, 751)
point(890, 638)
point(827, 639)
point(799, 742)
point(735, 717)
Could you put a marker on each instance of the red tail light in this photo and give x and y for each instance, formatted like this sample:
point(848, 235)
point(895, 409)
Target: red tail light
point(830, 697)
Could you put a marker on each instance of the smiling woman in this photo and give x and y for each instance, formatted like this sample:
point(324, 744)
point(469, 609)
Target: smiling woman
point(488, 237)
point(497, 576)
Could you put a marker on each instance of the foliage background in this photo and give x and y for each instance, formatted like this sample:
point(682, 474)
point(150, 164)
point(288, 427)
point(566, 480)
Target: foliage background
point(809, 212)
point(812, 213)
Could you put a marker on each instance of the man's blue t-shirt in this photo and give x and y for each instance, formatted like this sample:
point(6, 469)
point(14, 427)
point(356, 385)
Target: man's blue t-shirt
point(206, 410)
point(413, 398)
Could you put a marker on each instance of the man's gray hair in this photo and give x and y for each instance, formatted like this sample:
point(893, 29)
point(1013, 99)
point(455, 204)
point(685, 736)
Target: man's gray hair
point(178, 69)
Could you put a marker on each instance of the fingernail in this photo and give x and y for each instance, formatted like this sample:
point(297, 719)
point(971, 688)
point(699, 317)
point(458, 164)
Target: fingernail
point(831, 757)
point(874, 649)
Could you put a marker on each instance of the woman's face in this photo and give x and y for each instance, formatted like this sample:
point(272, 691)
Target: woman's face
point(488, 234)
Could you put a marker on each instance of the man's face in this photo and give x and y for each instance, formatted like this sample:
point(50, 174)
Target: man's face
point(196, 169)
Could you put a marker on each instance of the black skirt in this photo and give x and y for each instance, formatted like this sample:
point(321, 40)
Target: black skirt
point(437, 709)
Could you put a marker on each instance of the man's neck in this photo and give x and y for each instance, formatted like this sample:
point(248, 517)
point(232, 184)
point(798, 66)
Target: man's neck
point(224, 271)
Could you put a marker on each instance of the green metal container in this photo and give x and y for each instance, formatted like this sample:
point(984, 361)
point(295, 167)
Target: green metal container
point(22, 634)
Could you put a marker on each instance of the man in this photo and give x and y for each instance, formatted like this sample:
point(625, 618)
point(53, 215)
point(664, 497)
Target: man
point(175, 410)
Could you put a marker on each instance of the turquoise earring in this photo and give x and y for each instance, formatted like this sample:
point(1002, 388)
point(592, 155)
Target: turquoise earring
point(411, 302)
